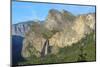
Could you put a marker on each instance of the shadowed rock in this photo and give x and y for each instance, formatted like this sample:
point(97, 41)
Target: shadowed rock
point(16, 49)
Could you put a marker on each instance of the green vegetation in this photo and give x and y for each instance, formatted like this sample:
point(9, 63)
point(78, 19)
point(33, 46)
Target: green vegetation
point(84, 50)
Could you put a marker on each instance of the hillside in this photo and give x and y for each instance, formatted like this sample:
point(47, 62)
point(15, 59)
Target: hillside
point(74, 53)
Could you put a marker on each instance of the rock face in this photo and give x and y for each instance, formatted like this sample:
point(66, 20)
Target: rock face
point(59, 20)
point(21, 28)
point(81, 25)
point(65, 29)
point(33, 45)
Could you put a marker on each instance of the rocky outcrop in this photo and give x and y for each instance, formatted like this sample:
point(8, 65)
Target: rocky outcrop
point(58, 20)
point(32, 45)
point(81, 26)
point(60, 29)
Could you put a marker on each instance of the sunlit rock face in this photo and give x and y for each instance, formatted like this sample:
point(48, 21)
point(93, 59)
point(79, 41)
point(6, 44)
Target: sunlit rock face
point(67, 29)
point(32, 45)
point(57, 20)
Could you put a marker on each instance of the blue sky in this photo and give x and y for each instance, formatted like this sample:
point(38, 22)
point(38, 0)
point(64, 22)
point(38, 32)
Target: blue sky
point(26, 11)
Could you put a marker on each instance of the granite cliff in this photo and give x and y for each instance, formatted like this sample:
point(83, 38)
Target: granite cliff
point(60, 29)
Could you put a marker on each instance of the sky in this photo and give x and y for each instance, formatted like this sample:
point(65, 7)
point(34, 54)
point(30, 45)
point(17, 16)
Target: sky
point(29, 11)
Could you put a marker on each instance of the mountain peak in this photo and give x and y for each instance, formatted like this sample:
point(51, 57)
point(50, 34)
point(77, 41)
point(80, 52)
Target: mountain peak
point(67, 15)
point(53, 11)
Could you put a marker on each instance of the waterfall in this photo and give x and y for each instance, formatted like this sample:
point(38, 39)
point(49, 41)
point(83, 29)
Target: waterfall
point(45, 49)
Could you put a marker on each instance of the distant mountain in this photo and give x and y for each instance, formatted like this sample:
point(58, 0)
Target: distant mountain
point(20, 29)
